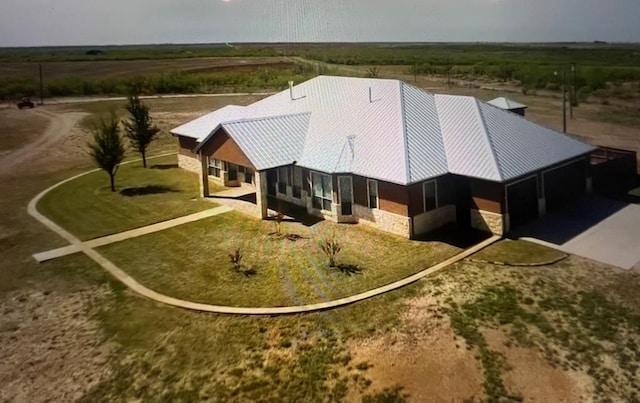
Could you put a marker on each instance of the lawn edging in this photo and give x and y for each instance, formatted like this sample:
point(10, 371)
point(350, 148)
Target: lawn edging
point(536, 264)
point(135, 286)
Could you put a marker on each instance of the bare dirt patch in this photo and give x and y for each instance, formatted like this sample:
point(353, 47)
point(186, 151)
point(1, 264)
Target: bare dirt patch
point(53, 142)
point(49, 349)
point(530, 375)
point(19, 127)
point(426, 358)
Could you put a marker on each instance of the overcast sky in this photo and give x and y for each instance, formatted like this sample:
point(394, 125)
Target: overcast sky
point(90, 22)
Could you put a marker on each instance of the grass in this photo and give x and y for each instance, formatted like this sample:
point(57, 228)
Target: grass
point(237, 359)
point(88, 209)
point(191, 261)
point(518, 252)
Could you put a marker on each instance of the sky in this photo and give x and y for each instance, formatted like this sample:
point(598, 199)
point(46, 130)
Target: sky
point(102, 22)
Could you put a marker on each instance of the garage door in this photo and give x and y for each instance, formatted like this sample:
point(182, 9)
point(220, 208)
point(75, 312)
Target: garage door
point(522, 202)
point(563, 184)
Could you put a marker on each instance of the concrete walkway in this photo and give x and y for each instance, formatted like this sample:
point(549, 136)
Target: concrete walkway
point(132, 284)
point(593, 227)
point(109, 239)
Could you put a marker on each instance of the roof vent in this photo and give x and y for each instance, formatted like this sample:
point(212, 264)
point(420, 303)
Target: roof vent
point(291, 90)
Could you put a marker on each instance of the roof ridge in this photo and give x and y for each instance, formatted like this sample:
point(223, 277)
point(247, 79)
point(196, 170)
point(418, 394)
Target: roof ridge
point(270, 117)
point(488, 138)
point(405, 140)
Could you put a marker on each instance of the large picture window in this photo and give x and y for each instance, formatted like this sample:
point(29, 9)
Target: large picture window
point(215, 167)
point(430, 193)
point(322, 191)
point(372, 191)
point(297, 182)
point(283, 179)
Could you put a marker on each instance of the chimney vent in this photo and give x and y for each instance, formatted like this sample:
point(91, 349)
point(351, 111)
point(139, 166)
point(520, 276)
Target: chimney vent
point(291, 89)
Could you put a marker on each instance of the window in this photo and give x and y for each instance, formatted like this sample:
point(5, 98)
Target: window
point(215, 167)
point(322, 191)
point(283, 179)
point(372, 191)
point(297, 182)
point(430, 194)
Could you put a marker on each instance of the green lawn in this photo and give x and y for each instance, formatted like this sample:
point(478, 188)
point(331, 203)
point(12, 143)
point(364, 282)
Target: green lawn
point(191, 261)
point(518, 252)
point(88, 209)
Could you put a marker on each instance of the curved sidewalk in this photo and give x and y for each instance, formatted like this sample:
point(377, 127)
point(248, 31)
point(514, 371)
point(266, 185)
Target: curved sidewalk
point(130, 282)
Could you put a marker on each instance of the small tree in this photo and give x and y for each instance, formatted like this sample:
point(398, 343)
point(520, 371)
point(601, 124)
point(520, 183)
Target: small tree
point(236, 260)
point(330, 247)
point(107, 149)
point(139, 128)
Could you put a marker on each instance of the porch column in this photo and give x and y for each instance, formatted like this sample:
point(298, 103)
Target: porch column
point(542, 207)
point(261, 193)
point(204, 176)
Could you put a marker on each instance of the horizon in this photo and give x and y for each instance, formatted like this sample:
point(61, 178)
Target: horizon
point(417, 43)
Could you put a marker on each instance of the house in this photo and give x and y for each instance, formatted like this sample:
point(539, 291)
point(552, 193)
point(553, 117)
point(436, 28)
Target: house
point(509, 105)
point(389, 154)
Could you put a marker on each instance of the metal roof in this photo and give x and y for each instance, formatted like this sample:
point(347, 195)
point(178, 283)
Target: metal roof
point(272, 141)
point(387, 130)
point(204, 125)
point(521, 146)
point(506, 103)
point(467, 146)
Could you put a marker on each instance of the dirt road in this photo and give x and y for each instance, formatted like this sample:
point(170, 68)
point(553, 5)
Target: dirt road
point(60, 126)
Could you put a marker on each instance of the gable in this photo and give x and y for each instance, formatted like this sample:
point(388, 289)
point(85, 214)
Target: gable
point(222, 147)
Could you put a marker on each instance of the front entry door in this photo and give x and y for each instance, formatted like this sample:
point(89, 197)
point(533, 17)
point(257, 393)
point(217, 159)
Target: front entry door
point(346, 194)
point(272, 179)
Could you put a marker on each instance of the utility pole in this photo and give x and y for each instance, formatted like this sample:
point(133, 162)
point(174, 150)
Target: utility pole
point(41, 85)
point(564, 98)
point(564, 101)
point(572, 94)
point(415, 70)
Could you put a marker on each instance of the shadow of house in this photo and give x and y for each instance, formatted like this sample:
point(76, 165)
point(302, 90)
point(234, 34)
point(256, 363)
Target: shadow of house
point(297, 213)
point(455, 235)
point(146, 190)
point(565, 224)
point(164, 167)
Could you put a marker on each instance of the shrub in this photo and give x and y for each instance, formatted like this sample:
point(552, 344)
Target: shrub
point(330, 247)
point(236, 260)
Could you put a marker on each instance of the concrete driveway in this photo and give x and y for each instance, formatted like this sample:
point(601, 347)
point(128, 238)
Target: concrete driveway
point(600, 229)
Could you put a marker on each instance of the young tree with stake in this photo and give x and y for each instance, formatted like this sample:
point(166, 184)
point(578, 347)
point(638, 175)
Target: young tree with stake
point(139, 128)
point(107, 149)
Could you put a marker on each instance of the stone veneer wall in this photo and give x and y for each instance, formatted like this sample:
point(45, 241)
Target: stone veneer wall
point(487, 221)
point(190, 164)
point(434, 219)
point(396, 224)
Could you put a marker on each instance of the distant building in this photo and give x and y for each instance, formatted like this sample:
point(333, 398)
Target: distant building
point(509, 105)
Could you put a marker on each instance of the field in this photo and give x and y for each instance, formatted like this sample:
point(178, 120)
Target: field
point(474, 332)
point(601, 70)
